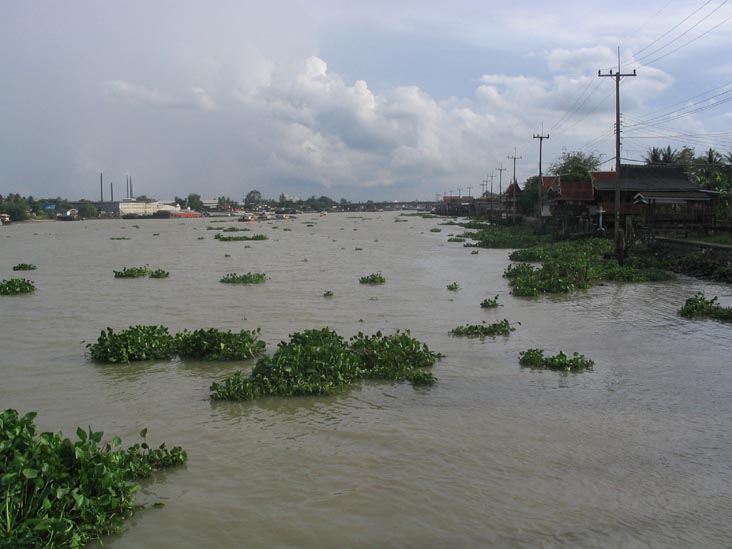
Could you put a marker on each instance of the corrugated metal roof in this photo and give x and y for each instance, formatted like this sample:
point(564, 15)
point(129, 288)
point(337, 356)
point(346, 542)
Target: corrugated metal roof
point(646, 178)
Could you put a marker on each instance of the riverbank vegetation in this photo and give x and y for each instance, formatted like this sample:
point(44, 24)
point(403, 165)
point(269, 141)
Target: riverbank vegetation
point(534, 358)
point(141, 342)
point(16, 286)
point(316, 362)
point(577, 264)
point(62, 493)
point(700, 306)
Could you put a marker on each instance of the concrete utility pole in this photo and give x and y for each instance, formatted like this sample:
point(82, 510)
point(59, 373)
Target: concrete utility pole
point(469, 188)
point(101, 186)
point(617, 76)
point(514, 158)
point(500, 184)
point(541, 137)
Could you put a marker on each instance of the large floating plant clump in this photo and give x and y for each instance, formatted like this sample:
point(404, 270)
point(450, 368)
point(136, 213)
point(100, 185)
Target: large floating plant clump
point(55, 492)
point(156, 343)
point(17, 286)
point(316, 362)
point(24, 267)
point(133, 344)
point(213, 344)
point(534, 358)
point(700, 306)
point(224, 238)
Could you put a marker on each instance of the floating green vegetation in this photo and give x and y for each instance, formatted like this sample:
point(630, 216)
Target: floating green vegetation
point(63, 493)
point(286, 229)
point(224, 238)
point(247, 278)
point(699, 306)
point(24, 267)
point(502, 236)
point(456, 239)
point(229, 229)
point(309, 225)
point(201, 238)
point(503, 328)
point(534, 358)
point(435, 230)
point(135, 226)
point(156, 343)
point(133, 344)
point(16, 286)
point(474, 252)
point(140, 272)
point(328, 293)
point(453, 286)
point(373, 278)
point(573, 265)
point(119, 238)
point(158, 273)
point(213, 344)
point(316, 362)
point(489, 303)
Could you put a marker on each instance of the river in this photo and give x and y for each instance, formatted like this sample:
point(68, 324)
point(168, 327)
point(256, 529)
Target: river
point(635, 453)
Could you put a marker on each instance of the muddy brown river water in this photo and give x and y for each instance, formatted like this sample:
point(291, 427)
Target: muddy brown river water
point(636, 453)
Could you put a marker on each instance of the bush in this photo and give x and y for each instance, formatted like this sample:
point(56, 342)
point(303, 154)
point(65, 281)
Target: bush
point(61, 493)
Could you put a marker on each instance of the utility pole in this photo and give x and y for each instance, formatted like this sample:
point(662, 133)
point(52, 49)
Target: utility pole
point(617, 76)
point(514, 158)
point(500, 185)
point(541, 137)
point(469, 188)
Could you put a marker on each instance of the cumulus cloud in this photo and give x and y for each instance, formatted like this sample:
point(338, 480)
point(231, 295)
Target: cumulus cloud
point(194, 98)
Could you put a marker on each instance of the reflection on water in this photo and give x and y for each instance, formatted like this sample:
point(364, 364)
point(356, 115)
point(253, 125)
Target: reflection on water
point(633, 453)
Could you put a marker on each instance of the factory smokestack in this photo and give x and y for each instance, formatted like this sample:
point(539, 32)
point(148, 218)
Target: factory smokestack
point(111, 191)
point(132, 194)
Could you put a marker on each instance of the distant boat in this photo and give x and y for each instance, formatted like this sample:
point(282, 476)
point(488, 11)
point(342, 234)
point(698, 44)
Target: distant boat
point(248, 218)
point(70, 215)
point(5, 219)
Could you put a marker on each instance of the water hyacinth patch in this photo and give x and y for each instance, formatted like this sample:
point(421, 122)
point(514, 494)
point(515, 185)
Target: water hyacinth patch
point(327, 293)
point(456, 239)
point(16, 286)
point(435, 230)
point(213, 344)
point(247, 278)
point(158, 273)
point(316, 362)
point(24, 267)
point(699, 306)
point(534, 358)
point(453, 286)
point(373, 278)
point(243, 238)
point(133, 344)
point(131, 272)
point(489, 303)
point(503, 328)
point(63, 493)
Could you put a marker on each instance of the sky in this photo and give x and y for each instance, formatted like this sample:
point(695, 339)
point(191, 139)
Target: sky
point(381, 100)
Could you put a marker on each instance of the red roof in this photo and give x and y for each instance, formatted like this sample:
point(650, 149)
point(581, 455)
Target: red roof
point(513, 190)
point(604, 176)
point(575, 190)
point(548, 180)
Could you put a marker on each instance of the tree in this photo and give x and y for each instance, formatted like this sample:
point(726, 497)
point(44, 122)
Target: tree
point(529, 198)
point(252, 199)
point(576, 165)
point(87, 210)
point(194, 202)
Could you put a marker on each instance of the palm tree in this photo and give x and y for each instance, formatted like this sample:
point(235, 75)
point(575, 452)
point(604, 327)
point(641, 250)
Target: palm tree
point(669, 155)
point(653, 156)
point(712, 157)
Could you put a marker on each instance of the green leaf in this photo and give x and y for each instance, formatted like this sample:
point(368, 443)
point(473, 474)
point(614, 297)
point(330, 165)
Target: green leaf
point(30, 473)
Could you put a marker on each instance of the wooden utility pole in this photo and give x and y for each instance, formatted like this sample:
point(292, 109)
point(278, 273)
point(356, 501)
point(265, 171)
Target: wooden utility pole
point(617, 76)
point(541, 137)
